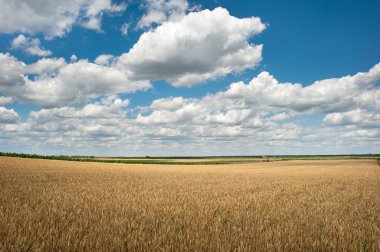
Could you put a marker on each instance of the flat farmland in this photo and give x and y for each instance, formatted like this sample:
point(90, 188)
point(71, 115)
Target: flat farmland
point(265, 206)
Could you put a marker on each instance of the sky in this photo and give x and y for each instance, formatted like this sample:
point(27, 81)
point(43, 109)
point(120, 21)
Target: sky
point(189, 78)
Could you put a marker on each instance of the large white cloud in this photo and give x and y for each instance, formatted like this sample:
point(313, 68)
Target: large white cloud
point(77, 83)
point(58, 83)
point(200, 46)
point(53, 18)
point(336, 94)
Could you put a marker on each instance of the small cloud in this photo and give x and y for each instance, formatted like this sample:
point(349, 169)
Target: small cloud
point(5, 100)
point(95, 11)
point(31, 46)
point(92, 23)
point(104, 59)
point(280, 117)
point(73, 58)
point(124, 29)
point(158, 11)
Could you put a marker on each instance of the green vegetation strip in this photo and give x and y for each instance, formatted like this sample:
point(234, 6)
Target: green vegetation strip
point(164, 161)
point(124, 161)
point(329, 157)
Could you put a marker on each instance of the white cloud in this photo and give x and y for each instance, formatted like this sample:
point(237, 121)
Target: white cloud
point(355, 117)
point(95, 10)
point(46, 65)
point(330, 95)
point(8, 116)
point(73, 58)
point(93, 121)
point(200, 46)
point(104, 59)
point(362, 133)
point(280, 116)
point(230, 117)
point(11, 72)
point(170, 104)
point(73, 83)
point(125, 29)
point(78, 82)
point(158, 11)
point(53, 18)
point(29, 46)
point(5, 100)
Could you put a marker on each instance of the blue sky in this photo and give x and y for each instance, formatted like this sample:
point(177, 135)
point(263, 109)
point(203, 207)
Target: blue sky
point(156, 77)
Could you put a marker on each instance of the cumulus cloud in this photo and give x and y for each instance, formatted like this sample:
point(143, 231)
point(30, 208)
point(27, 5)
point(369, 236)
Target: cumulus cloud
point(330, 95)
point(355, 117)
point(8, 116)
point(200, 46)
point(5, 100)
point(53, 18)
point(104, 59)
point(29, 46)
point(158, 11)
point(229, 117)
point(59, 83)
point(182, 114)
point(45, 66)
point(11, 72)
point(103, 120)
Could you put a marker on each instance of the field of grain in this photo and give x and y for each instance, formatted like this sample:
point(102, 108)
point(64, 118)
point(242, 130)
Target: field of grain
point(274, 206)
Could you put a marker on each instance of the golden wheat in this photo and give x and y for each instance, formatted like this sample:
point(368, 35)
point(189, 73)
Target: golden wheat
point(277, 206)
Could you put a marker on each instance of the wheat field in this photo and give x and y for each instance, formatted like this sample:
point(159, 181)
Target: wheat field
point(328, 205)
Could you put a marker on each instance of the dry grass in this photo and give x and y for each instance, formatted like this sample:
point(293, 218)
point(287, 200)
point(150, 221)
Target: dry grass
point(289, 205)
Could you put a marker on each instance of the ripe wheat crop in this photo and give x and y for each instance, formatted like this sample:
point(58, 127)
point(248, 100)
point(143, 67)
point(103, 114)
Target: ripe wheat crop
point(275, 206)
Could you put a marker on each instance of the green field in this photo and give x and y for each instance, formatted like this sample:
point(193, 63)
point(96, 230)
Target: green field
point(191, 160)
